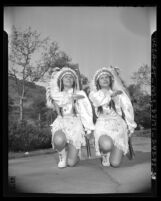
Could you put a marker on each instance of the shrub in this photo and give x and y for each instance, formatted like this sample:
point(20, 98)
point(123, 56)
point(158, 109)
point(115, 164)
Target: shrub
point(143, 133)
point(25, 137)
point(143, 118)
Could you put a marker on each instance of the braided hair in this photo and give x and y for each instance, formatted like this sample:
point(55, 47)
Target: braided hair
point(111, 103)
point(74, 102)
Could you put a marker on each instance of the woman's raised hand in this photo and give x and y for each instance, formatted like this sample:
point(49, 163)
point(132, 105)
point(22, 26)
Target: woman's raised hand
point(77, 96)
point(116, 93)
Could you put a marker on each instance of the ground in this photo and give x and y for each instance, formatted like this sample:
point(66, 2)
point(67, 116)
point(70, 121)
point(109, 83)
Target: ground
point(40, 174)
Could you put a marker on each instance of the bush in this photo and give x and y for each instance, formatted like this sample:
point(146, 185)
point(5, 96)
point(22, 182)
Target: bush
point(143, 133)
point(24, 137)
point(143, 118)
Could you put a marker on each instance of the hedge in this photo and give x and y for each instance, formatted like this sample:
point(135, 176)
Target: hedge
point(25, 137)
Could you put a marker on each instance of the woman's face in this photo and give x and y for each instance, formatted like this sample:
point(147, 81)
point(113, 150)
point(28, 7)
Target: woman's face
point(104, 81)
point(68, 81)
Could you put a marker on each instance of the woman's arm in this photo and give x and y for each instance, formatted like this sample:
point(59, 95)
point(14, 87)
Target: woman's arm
point(61, 98)
point(98, 98)
point(86, 113)
point(128, 111)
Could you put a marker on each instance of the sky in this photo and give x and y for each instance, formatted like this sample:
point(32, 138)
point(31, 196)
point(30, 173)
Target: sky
point(93, 37)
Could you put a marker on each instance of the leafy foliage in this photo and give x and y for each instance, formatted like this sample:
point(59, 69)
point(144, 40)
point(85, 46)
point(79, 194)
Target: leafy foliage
point(142, 106)
point(10, 104)
point(141, 96)
point(24, 137)
point(142, 78)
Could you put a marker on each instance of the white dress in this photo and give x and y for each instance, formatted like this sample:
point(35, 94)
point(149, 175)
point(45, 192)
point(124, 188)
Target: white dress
point(74, 127)
point(110, 122)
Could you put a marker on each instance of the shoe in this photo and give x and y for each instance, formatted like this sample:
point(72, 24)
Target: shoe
point(105, 160)
point(62, 159)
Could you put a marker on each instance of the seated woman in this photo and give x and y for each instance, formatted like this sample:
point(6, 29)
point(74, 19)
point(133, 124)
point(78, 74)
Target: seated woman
point(74, 118)
point(115, 122)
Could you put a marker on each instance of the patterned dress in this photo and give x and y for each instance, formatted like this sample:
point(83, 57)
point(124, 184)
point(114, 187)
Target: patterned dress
point(74, 127)
point(110, 121)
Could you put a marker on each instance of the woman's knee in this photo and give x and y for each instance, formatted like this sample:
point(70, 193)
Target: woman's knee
point(59, 139)
point(115, 163)
point(116, 157)
point(105, 143)
point(71, 162)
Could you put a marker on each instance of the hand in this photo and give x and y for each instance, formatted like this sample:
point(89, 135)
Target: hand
point(88, 136)
point(129, 134)
point(77, 96)
point(116, 93)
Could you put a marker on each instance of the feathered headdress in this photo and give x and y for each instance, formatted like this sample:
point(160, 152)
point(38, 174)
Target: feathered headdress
point(113, 72)
point(55, 83)
point(49, 100)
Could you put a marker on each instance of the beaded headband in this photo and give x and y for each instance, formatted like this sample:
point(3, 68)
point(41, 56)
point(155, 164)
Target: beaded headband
point(66, 73)
point(103, 72)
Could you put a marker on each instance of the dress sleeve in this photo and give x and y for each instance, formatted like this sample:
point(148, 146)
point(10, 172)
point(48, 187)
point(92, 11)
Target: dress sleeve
point(128, 111)
point(98, 98)
point(61, 98)
point(85, 111)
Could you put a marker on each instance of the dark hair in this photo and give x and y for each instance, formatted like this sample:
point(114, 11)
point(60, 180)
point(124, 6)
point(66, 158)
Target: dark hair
point(62, 85)
point(62, 88)
point(111, 104)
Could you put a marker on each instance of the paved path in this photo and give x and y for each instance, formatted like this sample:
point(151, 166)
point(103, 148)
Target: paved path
point(39, 174)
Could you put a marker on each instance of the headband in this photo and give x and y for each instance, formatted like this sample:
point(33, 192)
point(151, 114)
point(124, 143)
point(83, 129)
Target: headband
point(66, 73)
point(103, 72)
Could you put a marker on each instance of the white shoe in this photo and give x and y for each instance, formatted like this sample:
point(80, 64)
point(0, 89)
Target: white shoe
point(62, 159)
point(105, 160)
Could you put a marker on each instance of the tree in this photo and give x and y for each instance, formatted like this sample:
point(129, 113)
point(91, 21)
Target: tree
point(134, 92)
point(54, 58)
point(142, 105)
point(84, 80)
point(50, 116)
point(142, 78)
point(10, 104)
point(39, 109)
point(141, 95)
point(23, 46)
point(42, 114)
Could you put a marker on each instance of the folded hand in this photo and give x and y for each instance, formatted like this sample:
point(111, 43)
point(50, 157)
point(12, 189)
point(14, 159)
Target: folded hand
point(116, 93)
point(77, 96)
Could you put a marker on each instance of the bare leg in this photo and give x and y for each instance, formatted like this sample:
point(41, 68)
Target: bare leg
point(59, 140)
point(72, 155)
point(116, 157)
point(105, 143)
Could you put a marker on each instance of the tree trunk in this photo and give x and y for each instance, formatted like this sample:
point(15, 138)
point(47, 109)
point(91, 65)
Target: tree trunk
point(39, 119)
point(21, 108)
point(21, 102)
